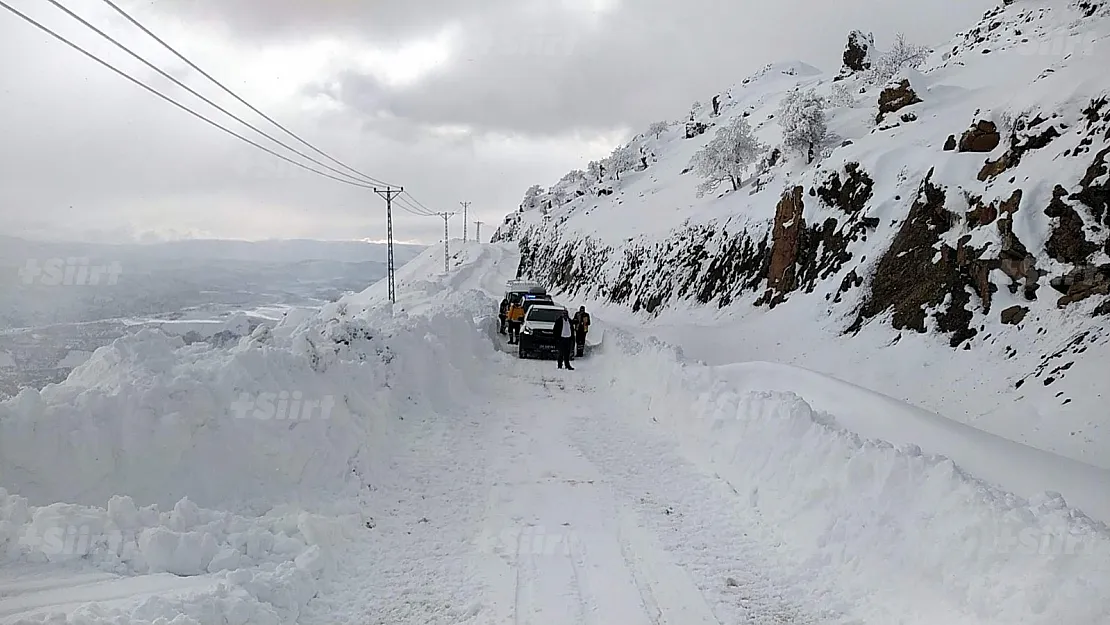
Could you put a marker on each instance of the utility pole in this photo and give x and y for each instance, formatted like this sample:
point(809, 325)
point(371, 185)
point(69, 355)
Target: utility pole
point(465, 205)
point(478, 234)
point(388, 193)
point(446, 253)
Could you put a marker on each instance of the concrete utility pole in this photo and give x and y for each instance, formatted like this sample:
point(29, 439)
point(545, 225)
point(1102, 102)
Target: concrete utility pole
point(388, 193)
point(478, 234)
point(446, 252)
point(465, 205)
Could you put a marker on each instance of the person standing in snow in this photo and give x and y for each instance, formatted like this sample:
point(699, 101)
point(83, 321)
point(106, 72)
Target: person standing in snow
point(564, 336)
point(581, 327)
point(503, 314)
point(515, 317)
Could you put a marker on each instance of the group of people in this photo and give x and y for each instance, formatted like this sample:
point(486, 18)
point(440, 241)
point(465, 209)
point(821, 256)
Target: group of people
point(570, 332)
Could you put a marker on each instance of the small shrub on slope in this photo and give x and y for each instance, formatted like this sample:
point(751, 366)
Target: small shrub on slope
point(727, 156)
point(802, 117)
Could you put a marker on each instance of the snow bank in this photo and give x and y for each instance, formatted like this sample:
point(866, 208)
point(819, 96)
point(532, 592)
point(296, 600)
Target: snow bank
point(850, 506)
point(243, 468)
point(286, 414)
point(185, 541)
point(262, 570)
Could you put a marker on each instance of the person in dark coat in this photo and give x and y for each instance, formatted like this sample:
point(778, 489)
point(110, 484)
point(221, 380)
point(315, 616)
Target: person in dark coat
point(503, 314)
point(564, 337)
point(581, 327)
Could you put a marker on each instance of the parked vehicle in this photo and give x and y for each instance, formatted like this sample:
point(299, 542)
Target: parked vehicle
point(530, 300)
point(515, 290)
point(538, 334)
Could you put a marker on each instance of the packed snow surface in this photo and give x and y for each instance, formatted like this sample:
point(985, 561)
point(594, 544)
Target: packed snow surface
point(452, 482)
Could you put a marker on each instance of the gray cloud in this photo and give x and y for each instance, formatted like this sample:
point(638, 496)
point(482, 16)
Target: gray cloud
point(648, 60)
point(379, 21)
point(535, 87)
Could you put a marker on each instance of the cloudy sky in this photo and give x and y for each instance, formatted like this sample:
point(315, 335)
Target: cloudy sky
point(456, 100)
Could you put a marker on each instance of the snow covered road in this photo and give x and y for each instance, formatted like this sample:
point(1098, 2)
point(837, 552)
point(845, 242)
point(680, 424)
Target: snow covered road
point(528, 511)
point(552, 503)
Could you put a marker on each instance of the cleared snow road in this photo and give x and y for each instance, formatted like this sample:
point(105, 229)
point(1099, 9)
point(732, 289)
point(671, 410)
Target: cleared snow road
point(539, 507)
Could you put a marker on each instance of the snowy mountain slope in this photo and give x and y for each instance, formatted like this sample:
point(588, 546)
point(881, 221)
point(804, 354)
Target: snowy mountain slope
point(964, 200)
point(456, 483)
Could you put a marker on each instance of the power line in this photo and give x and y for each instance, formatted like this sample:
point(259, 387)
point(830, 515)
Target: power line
point(161, 95)
point(219, 84)
point(177, 82)
point(418, 203)
point(389, 192)
point(407, 205)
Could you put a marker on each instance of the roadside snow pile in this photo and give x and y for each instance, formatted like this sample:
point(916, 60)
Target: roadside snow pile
point(847, 505)
point(286, 414)
point(260, 570)
point(187, 540)
point(242, 469)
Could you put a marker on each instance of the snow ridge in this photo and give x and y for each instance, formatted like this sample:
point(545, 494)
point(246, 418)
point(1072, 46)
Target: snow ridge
point(845, 506)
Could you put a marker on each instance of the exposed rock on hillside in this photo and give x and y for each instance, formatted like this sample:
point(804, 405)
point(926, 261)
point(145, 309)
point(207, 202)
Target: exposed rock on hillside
point(896, 97)
point(857, 54)
point(982, 137)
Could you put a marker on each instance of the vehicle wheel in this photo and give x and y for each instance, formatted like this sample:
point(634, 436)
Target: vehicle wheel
point(521, 353)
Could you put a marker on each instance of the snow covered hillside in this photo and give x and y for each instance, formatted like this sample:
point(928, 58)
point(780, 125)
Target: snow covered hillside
point(934, 226)
point(439, 479)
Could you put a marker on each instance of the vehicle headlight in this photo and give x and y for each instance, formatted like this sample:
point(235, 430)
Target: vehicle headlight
point(526, 330)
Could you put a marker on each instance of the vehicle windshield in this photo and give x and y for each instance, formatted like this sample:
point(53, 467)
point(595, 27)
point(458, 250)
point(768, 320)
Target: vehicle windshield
point(544, 314)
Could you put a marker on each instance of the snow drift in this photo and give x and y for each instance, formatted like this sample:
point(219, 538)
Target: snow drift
point(241, 466)
point(868, 488)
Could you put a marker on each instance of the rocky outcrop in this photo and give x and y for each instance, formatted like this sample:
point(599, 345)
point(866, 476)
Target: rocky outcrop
point(703, 263)
point(850, 196)
point(694, 129)
point(1014, 315)
point(919, 275)
point(857, 54)
point(1094, 187)
point(1067, 243)
point(896, 97)
point(1028, 134)
point(1081, 283)
point(784, 236)
point(981, 137)
point(985, 214)
point(803, 255)
point(1091, 7)
point(1015, 260)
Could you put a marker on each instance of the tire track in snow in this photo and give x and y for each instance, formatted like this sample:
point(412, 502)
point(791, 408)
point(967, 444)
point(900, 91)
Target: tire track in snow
point(700, 522)
point(657, 576)
point(410, 567)
point(554, 505)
